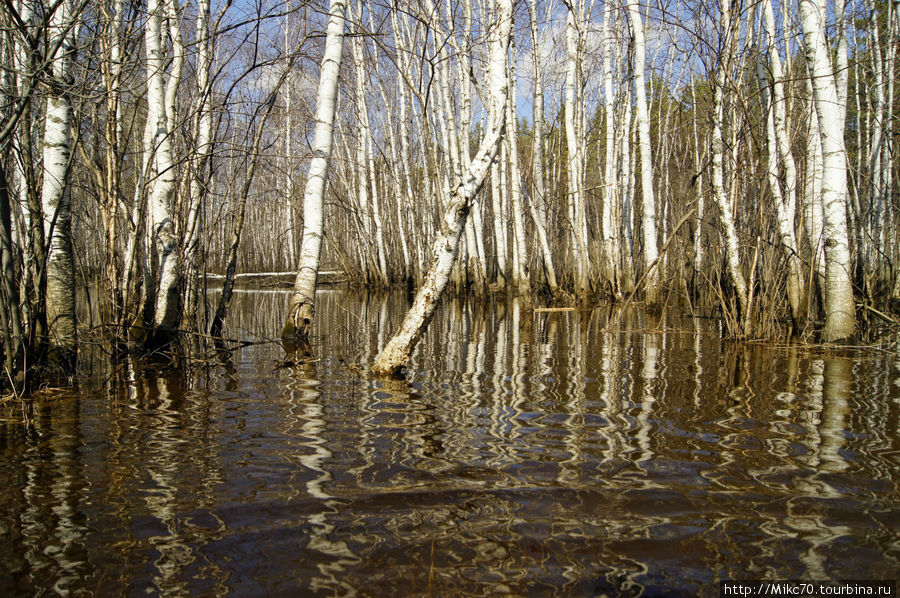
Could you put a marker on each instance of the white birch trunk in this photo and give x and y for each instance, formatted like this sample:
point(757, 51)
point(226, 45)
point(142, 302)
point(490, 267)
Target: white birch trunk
point(407, 199)
point(498, 190)
point(537, 161)
point(813, 214)
point(22, 142)
point(575, 155)
point(729, 232)
point(610, 240)
point(164, 299)
point(778, 149)
point(539, 193)
point(698, 185)
point(60, 298)
point(626, 185)
point(648, 202)
point(521, 279)
point(288, 181)
point(877, 142)
point(366, 239)
point(887, 173)
point(303, 301)
point(396, 177)
point(839, 304)
point(396, 353)
point(200, 168)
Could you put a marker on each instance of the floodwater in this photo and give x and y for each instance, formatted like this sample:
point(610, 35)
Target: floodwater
point(526, 454)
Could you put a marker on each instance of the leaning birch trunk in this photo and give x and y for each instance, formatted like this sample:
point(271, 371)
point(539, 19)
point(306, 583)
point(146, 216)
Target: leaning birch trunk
point(60, 297)
point(303, 302)
point(648, 202)
point(396, 353)
point(839, 306)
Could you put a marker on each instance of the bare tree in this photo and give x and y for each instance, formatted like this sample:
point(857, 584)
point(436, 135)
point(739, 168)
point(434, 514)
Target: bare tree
point(839, 305)
point(395, 355)
point(303, 302)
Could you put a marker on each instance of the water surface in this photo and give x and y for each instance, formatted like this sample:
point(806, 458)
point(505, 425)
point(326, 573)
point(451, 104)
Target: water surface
point(527, 453)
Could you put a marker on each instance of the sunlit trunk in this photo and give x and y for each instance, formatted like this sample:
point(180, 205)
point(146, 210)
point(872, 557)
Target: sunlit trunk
point(521, 279)
point(610, 247)
point(163, 301)
point(538, 186)
point(642, 117)
point(303, 301)
point(697, 183)
point(396, 353)
point(839, 304)
point(813, 215)
point(729, 233)
point(57, 150)
point(575, 163)
point(778, 151)
point(201, 173)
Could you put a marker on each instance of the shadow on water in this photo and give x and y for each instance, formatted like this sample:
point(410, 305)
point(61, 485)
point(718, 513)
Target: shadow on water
point(525, 453)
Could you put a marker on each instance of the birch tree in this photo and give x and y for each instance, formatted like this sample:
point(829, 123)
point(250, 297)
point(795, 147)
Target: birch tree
point(779, 152)
point(200, 167)
point(521, 279)
point(163, 302)
point(610, 239)
point(56, 203)
point(838, 294)
point(575, 147)
point(538, 186)
point(729, 232)
point(642, 117)
point(302, 307)
point(396, 353)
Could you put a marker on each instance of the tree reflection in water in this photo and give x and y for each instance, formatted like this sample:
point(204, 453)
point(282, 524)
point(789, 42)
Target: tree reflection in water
point(527, 453)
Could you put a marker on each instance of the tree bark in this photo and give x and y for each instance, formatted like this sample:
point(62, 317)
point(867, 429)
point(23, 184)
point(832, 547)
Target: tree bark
point(575, 147)
point(610, 247)
point(648, 202)
point(729, 232)
point(164, 299)
point(395, 355)
point(200, 170)
point(840, 319)
point(57, 150)
point(779, 150)
point(302, 307)
point(521, 278)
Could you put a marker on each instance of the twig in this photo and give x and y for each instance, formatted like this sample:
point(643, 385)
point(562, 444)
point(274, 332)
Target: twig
point(653, 264)
point(881, 315)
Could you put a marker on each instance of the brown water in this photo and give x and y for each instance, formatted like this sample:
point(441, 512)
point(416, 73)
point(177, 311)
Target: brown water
point(533, 454)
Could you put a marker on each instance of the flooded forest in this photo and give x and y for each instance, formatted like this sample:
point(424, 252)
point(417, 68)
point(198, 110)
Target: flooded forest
point(447, 297)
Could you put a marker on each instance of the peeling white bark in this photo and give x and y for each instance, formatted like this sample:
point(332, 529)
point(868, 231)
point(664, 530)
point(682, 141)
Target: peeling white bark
point(396, 353)
point(840, 308)
point(57, 150)
point(302, 304)
point(648, 202)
